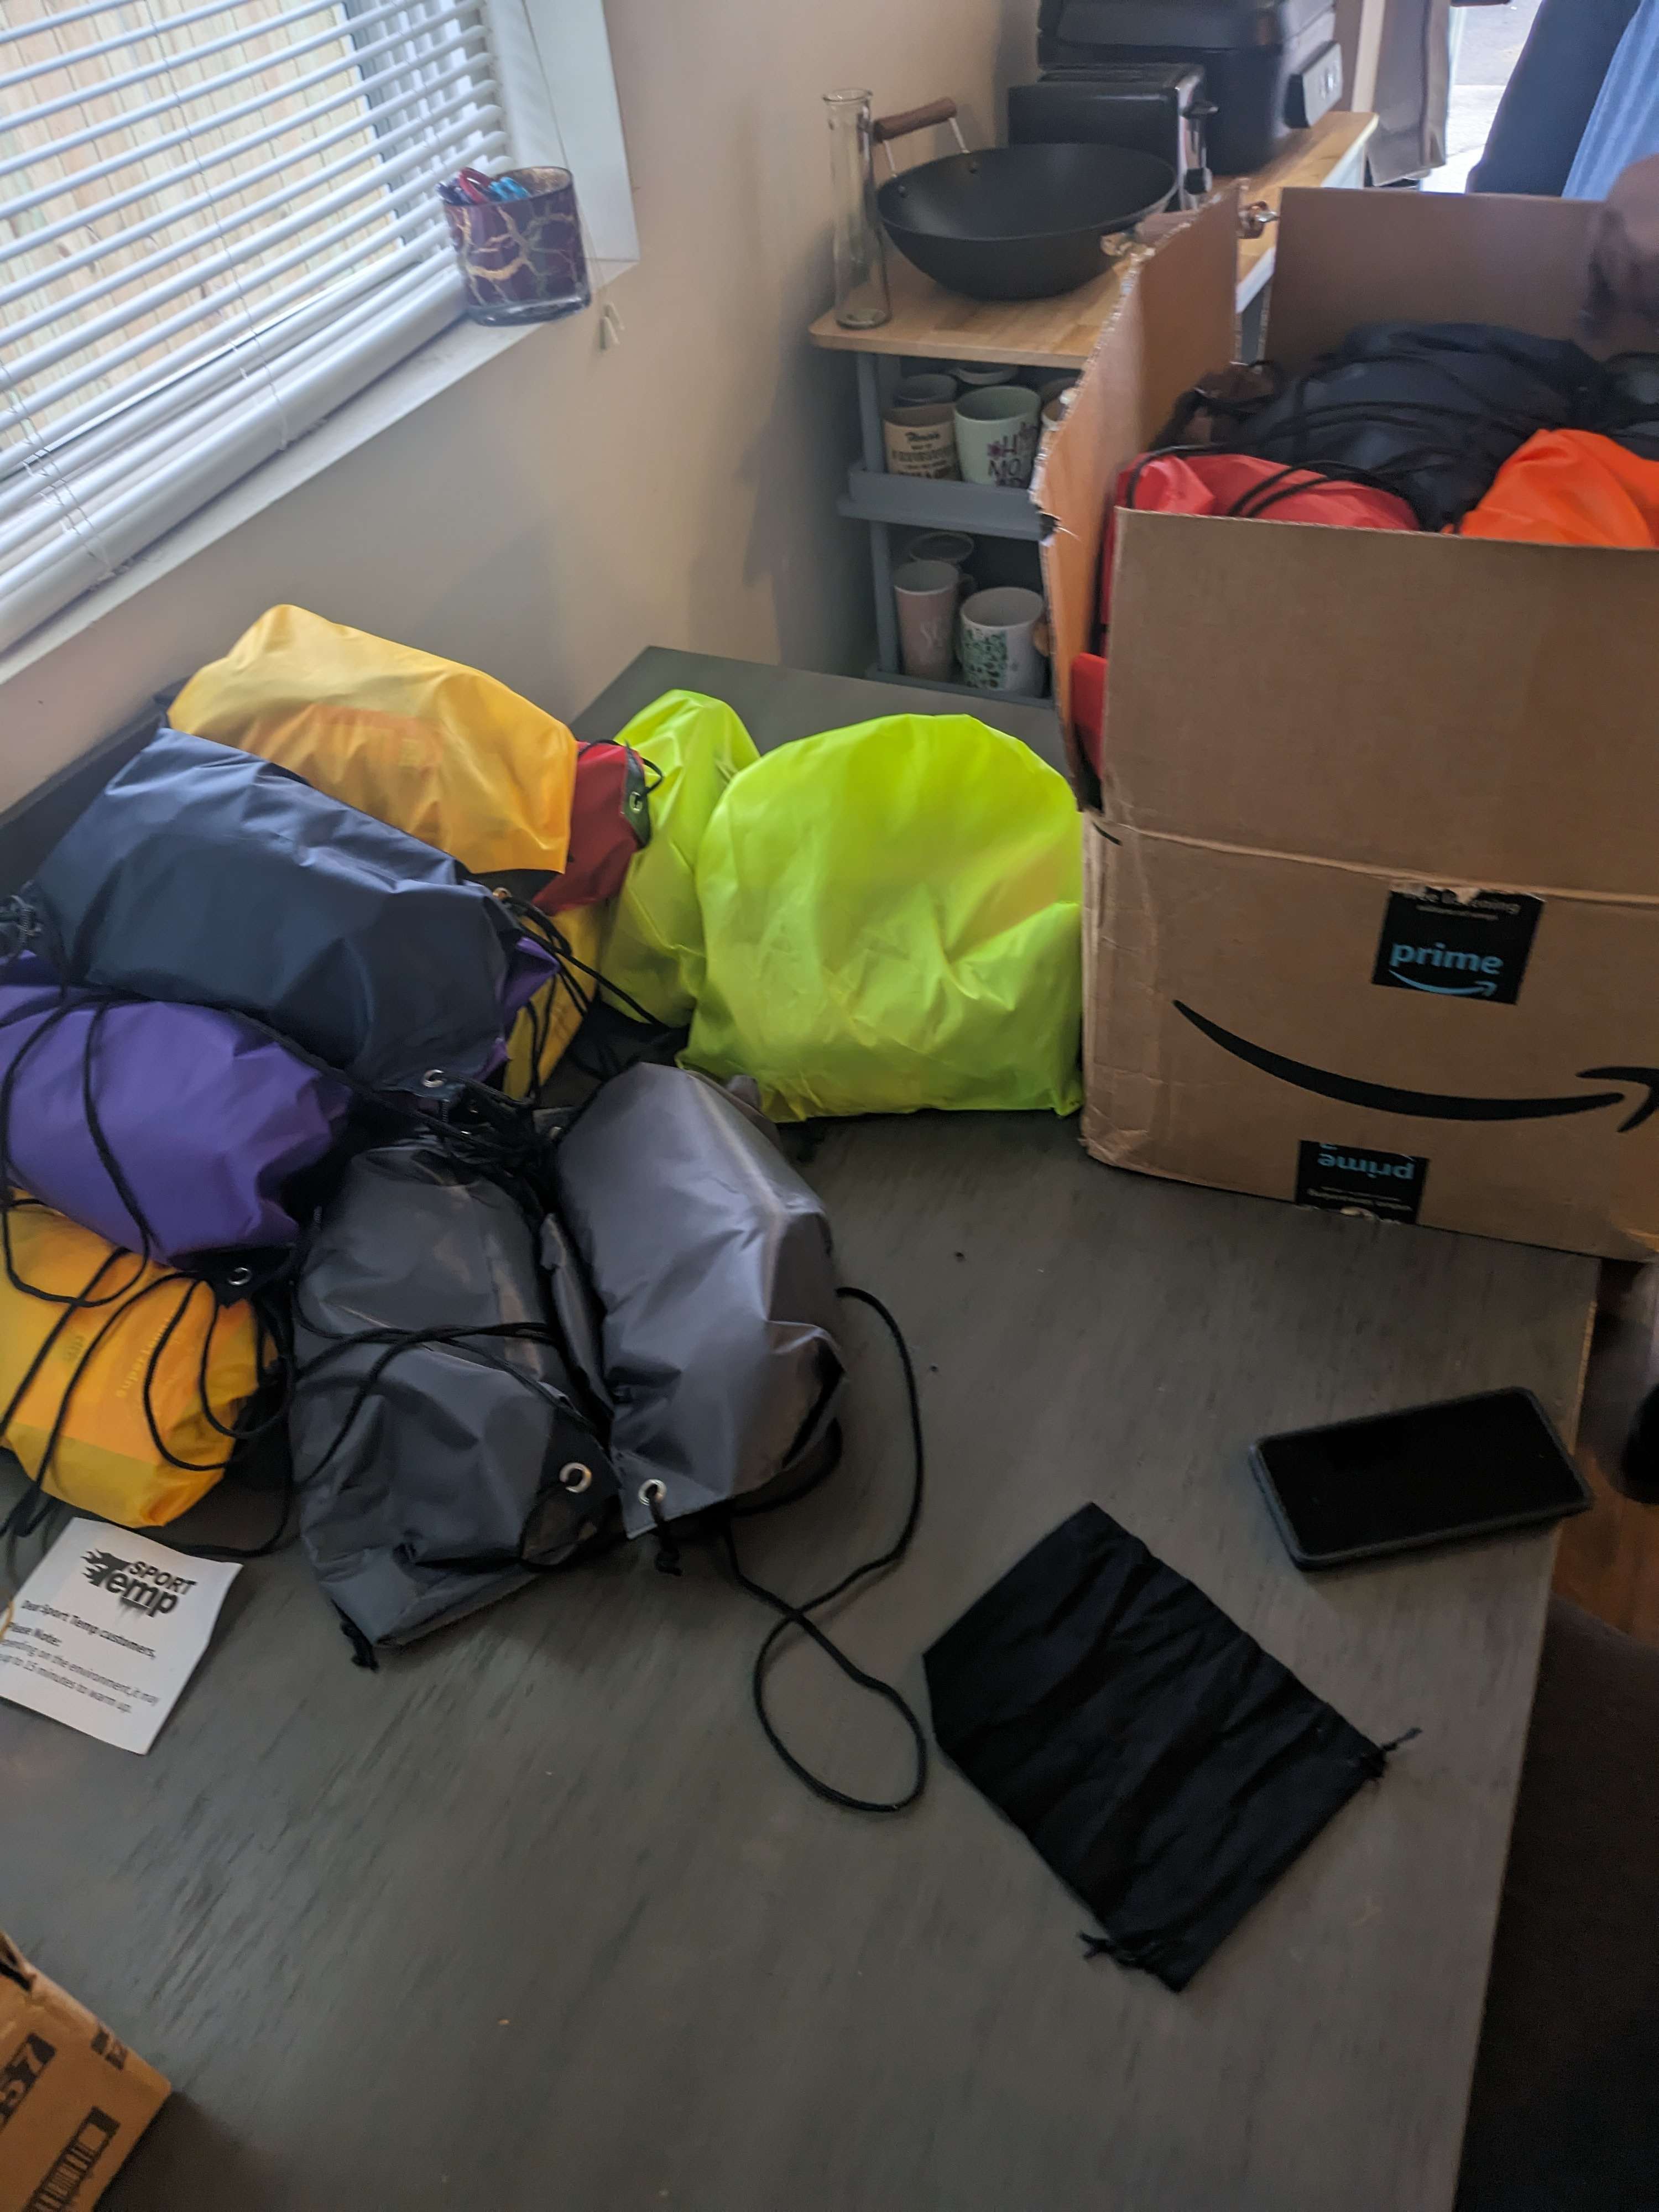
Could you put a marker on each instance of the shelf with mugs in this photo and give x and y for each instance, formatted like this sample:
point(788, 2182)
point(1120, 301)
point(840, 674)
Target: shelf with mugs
point(947, 451)
point(940, 503)
point(931, 343)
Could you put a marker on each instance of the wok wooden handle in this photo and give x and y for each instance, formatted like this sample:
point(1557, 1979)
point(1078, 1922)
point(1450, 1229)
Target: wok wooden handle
point(888, 127)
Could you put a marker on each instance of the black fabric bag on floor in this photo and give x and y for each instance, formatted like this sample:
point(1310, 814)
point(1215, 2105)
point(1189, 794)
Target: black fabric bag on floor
point(1165, 1767)
point(203, 873)
point(443, 1450)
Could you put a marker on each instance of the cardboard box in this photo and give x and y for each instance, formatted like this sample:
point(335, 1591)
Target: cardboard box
point(73, 2098)
point(1372, 903)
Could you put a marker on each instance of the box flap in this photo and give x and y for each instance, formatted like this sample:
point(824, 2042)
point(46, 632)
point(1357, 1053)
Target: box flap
point(1346, 257)
point(1460, 711)
point(1173, 320)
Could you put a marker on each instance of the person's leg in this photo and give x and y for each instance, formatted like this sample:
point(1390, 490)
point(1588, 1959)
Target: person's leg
point(1414, 79)
point(1548, 100)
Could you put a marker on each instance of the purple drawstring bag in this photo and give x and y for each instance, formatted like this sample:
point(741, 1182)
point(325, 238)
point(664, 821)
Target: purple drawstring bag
point(203, 1117)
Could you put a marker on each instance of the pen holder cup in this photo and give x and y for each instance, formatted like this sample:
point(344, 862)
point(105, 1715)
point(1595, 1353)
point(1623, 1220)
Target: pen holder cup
point(522, 259)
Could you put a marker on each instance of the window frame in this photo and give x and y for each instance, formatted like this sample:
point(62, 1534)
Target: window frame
point(579, 127)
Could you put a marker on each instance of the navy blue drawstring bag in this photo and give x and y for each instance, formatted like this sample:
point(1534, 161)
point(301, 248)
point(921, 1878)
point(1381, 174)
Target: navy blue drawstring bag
point(206, 874)
point(1165, 1767)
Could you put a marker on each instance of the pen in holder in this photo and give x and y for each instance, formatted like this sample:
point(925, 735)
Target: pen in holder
point(521, 256)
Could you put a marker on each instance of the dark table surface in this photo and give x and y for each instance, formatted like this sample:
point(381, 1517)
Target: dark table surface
point(534, 1918)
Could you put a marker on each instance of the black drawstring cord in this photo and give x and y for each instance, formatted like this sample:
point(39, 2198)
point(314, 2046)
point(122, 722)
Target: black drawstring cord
point(362, 1652)
point(542, 929)
point(668, 1551)
point(1288, 480)
point(800, 1616)
point(1376, 1759)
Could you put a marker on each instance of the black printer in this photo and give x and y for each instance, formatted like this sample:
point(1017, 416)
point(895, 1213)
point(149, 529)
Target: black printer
point(1269, 66)
point(1155, 107)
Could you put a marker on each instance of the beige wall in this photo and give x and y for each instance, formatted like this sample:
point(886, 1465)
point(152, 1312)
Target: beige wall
point(564, 506)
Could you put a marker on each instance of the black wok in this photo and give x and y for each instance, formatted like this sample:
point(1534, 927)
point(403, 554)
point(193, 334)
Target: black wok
point(1015, 223)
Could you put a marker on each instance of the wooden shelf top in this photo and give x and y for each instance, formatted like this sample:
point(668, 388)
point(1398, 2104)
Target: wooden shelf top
point(930, 323)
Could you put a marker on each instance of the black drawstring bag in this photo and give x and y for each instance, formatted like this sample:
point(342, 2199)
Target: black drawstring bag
point(1625, 405)
point(1430, 410)
point(1165, 1767)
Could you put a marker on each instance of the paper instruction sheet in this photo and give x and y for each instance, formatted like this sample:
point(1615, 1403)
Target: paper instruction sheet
point(107, 1631)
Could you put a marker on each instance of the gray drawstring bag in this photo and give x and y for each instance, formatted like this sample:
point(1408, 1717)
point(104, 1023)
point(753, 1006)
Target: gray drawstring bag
point(204, 874)
point(710, 1262)
point(442, 1449)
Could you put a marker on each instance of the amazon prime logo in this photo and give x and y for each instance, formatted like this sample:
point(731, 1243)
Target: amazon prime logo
point(1457, 945)
point(1348, 1179)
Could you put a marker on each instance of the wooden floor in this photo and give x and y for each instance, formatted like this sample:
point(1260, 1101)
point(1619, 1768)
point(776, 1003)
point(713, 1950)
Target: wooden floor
point(1608, 1562)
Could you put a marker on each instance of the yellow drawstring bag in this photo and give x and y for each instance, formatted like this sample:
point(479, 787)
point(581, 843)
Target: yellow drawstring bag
point(80, 1386)
point(448, 755)
point(892, 919)
point(654, 948)
point(544, 1029)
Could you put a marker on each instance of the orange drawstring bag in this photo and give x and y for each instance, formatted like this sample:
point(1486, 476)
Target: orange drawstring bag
point(1571, 487)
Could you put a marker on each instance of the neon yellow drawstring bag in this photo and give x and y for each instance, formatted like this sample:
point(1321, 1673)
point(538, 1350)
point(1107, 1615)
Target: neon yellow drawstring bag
point(94, 1399)
point(654, 950)
point(440, 751)
point(892, 919)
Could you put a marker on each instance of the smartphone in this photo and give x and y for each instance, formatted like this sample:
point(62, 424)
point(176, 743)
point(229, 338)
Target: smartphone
point(1431, 1474)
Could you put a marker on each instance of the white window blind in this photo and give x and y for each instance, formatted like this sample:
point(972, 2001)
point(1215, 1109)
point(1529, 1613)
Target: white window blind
point(216, 223)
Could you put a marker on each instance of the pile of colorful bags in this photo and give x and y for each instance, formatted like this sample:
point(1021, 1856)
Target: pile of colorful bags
point(278, 1015)
point(1468, 428)
point(216, 975)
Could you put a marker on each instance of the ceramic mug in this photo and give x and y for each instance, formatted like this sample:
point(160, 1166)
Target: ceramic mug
point(952, 545)
point(923, 391)
point(928, 593)
point(997, 641)
point(997, 434)
point(922, 441)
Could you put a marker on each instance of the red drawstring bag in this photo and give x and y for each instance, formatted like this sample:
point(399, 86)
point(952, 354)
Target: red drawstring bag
point(1571, 487)
point(1245, 484)
point(610, 820)
point(1238, 484)
point(1088, 704)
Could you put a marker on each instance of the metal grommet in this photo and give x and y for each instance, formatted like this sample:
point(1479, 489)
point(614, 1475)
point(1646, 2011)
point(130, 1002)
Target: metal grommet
point(238, 1279)
point(503, 893)
point(575, 1476)
point(652, 1493)
point(433, 1079)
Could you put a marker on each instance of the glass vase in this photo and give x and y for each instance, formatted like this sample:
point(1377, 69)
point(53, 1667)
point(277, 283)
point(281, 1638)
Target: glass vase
point(861, 300)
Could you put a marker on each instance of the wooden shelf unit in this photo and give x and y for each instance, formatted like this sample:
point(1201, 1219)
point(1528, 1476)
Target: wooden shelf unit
point(930, 324)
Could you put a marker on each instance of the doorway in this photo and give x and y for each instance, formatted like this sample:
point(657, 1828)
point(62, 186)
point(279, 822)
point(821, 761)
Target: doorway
point(1486, 43)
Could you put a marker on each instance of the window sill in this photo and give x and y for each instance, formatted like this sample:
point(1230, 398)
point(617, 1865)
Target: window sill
point(455, 354)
